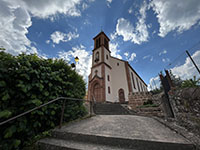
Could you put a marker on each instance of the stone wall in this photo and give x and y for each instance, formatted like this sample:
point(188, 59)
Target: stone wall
point(186, 107)
point(138, 98)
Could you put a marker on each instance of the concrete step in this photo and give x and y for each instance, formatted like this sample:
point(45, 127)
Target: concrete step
point(59, 144)
point(109, 132)
point(110, 109)
point(76, 141)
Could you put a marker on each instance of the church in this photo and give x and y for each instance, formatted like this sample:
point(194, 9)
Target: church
point(111, 79)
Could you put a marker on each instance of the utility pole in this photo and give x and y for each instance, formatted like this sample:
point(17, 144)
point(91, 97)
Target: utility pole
point(193, 61)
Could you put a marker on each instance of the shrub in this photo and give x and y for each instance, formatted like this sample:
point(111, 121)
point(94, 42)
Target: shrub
point(27, 81)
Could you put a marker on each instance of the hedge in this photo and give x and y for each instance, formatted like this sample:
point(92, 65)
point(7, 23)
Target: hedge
point(27, 81)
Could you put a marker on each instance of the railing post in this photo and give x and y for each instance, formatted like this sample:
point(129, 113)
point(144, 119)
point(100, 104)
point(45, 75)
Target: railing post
point(62, 114)
point(90, 108)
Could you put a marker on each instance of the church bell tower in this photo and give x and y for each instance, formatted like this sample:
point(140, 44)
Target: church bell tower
point(101, 52)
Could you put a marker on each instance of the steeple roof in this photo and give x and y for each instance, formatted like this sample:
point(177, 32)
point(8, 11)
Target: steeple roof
point(100, 34)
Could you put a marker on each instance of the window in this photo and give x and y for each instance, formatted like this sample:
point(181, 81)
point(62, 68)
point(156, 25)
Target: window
point(133, 80)
point(141, 87)
point(106, 43)
point(109, 90)
point(98, 42)
point(138, 85)
point(117, 64)
point(106, 56)
point(108, 77)
point(96, 57)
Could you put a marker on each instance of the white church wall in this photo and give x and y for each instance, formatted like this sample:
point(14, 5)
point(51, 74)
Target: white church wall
point(106, 53)
point(118, 79)
point(109, 96)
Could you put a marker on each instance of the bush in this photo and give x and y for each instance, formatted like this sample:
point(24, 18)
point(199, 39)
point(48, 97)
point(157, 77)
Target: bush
point(27, 81)
point(149, 101)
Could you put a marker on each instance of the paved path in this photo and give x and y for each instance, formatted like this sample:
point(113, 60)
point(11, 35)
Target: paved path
point(125, 126)
point(115, 132)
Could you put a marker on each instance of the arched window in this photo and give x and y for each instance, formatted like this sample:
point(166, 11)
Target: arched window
point(97, 57)
point(98, 42)
point(133, 80)
point(109, 90)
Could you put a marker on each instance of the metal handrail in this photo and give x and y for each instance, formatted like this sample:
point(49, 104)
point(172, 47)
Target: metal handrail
point(45, 104)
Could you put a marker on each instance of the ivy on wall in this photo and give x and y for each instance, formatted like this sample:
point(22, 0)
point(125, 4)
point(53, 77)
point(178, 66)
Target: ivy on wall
point(27, 81)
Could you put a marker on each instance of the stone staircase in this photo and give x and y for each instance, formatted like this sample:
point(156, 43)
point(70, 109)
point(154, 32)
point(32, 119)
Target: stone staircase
point(109, 109)
point(117, 132)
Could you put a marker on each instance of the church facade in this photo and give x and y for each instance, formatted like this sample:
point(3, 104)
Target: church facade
point(111, 79)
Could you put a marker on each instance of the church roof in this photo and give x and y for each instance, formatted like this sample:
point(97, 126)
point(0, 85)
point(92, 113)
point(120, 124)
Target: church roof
point(100, 34)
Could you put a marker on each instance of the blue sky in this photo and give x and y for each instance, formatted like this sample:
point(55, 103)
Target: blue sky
point(150, 34)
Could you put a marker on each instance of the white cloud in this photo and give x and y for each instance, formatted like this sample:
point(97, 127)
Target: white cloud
point(126, 54)
point(58, 36)
point(176, 15)
point(16, 19)
point(148, 56)
point(149, 25)
point(47, 41)
point(163, 52)
point(154, 83)
point(153, 32)
point(71, 36)
point(130, 57)
point(151, 58)
point(114, 50)
point(84, 6)
point(113, 35)
point(187, 70)
point(145, 57)
point(130, 10)
point(13, 28)
point(136, 34)
point(85, 59)
point(165, 60)
point(47, 8)
point(109, 1)
point(133, 55)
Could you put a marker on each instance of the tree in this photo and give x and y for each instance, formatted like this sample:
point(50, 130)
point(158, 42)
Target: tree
point(191, 82)
point(176, 80)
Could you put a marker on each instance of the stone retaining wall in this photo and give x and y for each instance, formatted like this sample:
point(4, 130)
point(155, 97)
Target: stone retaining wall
point(186, 107)
point(138, 98)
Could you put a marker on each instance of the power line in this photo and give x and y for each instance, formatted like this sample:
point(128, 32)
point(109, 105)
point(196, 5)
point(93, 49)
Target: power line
point(182, 54)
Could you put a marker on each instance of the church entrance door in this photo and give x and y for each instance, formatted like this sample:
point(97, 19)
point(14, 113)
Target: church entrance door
point(97, 92)
point(121, 96)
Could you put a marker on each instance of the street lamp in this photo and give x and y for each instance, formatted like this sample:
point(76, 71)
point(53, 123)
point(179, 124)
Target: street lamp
point(3, 49)
point(76, 60)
